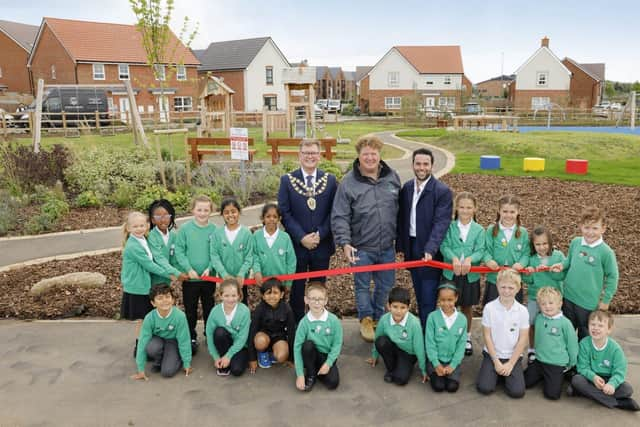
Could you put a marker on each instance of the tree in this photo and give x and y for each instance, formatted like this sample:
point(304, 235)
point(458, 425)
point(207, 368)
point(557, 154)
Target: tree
point(609, 90)
point(636, 86)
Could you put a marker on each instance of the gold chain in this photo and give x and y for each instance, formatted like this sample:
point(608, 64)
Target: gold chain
point(301, 188)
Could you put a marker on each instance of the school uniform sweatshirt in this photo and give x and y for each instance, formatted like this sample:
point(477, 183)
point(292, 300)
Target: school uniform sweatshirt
point(163, 255)
point(473, 246)
point(444, 344)
point(407, 337)
point(504, 253)
point(232, 259)
point(589, 272)
point(325, 334)
point(172, 327)
point(278, 322)
point(609, 362)
point(238, 328)
point(556, 341)
point(540, 279)
point(192, 247)
point(280, 258)
point(137, 268)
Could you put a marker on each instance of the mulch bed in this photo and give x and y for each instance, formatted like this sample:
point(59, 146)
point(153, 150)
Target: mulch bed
point(552, 202)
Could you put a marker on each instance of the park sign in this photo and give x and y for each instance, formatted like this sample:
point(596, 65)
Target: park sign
point(239, 140)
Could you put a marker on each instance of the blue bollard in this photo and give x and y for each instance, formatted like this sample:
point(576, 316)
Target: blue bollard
point(489, 162)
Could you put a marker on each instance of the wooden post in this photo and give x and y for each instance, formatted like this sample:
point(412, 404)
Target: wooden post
point(160, 162)
point(135, 115)
point(187, 160)
point(38, 124)
point(97, 120)
point(64, 120)
point(265, 131)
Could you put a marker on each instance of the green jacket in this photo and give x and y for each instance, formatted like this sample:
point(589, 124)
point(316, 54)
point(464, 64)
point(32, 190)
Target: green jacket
point(506, 253)
point(174, 326)
point(556, 341)
point(277, 259)
point(609, 362)
point(192, 247)
point(408, 338)
point(453, 246)
point(137, 268)
point(326, 335)
point(163, 255)
point(232, 259)
point(589, 272)
point(540, 279)
point(445, 344)
point(238, 328)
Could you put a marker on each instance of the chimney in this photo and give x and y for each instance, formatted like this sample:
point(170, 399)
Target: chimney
point(545, 42)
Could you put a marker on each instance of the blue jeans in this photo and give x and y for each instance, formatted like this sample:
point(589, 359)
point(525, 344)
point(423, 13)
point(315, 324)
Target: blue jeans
point(368, 305)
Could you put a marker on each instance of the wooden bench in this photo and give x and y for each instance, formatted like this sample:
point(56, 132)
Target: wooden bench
point(276, 150)
point(199, 147)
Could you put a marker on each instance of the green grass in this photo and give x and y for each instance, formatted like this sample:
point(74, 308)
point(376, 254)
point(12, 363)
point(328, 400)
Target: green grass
point(124, 141)
point(613, 158)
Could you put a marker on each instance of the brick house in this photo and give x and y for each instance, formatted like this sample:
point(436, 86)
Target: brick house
point(361, 74)
point(587, 83)
point(105, 55)
point(433, 73)
point(349, 86)
point(251, 67)
point(331, 83)
point(496, 87)
point(16, 41)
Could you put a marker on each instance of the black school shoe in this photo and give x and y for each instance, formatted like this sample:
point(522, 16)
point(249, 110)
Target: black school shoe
point(388, 377)
point(194, 347)
point(628, 404)
point(156, 368)
point(468, 348)
point(309, 382)
point(135, 350)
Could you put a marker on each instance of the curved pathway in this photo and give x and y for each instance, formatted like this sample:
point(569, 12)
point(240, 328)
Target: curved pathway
point(36, 249)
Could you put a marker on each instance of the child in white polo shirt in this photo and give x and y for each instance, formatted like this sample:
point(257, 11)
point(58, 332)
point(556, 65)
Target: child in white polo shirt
point(505, 327)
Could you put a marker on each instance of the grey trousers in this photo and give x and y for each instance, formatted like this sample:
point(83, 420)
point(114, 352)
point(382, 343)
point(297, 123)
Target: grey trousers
point(586, 388)
point(488, 378)
point(164, 355)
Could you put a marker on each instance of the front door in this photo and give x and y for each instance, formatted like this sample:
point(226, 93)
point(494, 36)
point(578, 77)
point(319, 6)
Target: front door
point(124, 110)
point(163, 102)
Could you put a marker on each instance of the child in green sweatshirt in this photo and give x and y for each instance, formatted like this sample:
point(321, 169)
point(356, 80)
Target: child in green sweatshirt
point(602, 366)
point(318, 342)
point(273, 252)
point(399, 340)
point(556, 345)
point(164, 336)
point(162, 239)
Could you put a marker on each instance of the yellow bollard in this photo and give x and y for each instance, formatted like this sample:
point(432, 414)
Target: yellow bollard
point(533, 164)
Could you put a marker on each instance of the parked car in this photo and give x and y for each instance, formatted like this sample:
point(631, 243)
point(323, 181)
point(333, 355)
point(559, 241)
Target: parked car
point(8, 118)
point(322, 103)
point(334, 106)
point(600, 110)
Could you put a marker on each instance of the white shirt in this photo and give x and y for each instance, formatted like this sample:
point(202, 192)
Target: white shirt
point(231, 235)
point(593, 343)
point(402, 323)
point(464, 232)
point(508, 231)
point(323, 317)
point(168, 314)
point(165, 237)
point(449, 320)
point(592, 245)
point(505, 325)
point(270, 238)
point(416, 195)
point(145, 245)
point(229, 317)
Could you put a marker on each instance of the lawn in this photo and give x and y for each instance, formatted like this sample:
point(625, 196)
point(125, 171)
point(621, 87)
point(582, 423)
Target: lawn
point(613, 158)
point(346, 130)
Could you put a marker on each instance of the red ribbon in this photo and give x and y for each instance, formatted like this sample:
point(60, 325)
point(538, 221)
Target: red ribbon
point(368, 268)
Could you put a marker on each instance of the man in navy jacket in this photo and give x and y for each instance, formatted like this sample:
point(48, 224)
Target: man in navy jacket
point(305, 198)
point(423, 220)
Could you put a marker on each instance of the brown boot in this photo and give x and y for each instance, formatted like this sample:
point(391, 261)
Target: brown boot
point(367, 330)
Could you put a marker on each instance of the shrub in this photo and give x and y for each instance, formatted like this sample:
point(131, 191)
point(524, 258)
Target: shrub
point(53, 208)
point(181, 200)
point(9, 206)
point(148, 195)
point(331, 167)
point(88, 199)
point(123, 195)
point(347, 110)
point(23, 169)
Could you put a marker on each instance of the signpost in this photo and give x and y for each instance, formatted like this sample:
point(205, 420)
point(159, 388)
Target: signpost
point(239, 141)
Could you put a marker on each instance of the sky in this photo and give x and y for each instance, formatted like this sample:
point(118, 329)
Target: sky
point(494, 36)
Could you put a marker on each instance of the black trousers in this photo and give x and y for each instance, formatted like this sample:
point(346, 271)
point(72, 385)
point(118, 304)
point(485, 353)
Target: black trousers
point(451, 382)
point(311, 261)
point(551, 375)
point(164, 354)
point(223, 341)
point(578, 316)
point(313, 360)
point(398, 362)
point(192, 292)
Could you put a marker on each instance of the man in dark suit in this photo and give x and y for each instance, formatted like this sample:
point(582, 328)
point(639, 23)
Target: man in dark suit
point(423, 220)
point(305, 198)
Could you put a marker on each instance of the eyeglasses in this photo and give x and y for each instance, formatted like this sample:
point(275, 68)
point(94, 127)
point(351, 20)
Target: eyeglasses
point(161, 217)
point(310, 153)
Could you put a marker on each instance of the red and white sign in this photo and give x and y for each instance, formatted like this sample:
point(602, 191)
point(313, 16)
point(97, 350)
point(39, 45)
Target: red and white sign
point(239, 138)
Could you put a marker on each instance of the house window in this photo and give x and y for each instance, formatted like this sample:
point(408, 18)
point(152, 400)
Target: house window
point(123, 71)
point(447, 80)
point(271, 102)
point(181, 73)
point(53, 72)
point(429, 82)
point(442, 101)
point(159, 72)
point(269, 75)
point(392, 102)
point(539, 102)
point(111, 105)
point(393, 78)
point(542, 78)
point(98, 71)
point(452, 102)
point(182, 103)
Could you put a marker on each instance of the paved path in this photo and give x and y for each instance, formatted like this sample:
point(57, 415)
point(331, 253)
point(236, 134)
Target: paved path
point(58, 245)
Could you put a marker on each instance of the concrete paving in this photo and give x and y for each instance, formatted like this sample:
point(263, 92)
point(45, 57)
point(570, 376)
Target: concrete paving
point(76, 373)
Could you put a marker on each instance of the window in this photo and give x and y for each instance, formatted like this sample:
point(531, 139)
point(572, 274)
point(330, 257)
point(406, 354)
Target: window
point(271, 102)
point(181, 72)
point(182, 103)
point(53, 72)
point(392, 102)
point(123, 71)
point(111, 105)
point(159, 72)
point(269, 75)
point(393, 78)
point(447, 80)
point(538, 102)
point(429, 82)
point(541, 78)
point(98, 71)
point(452, 102)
